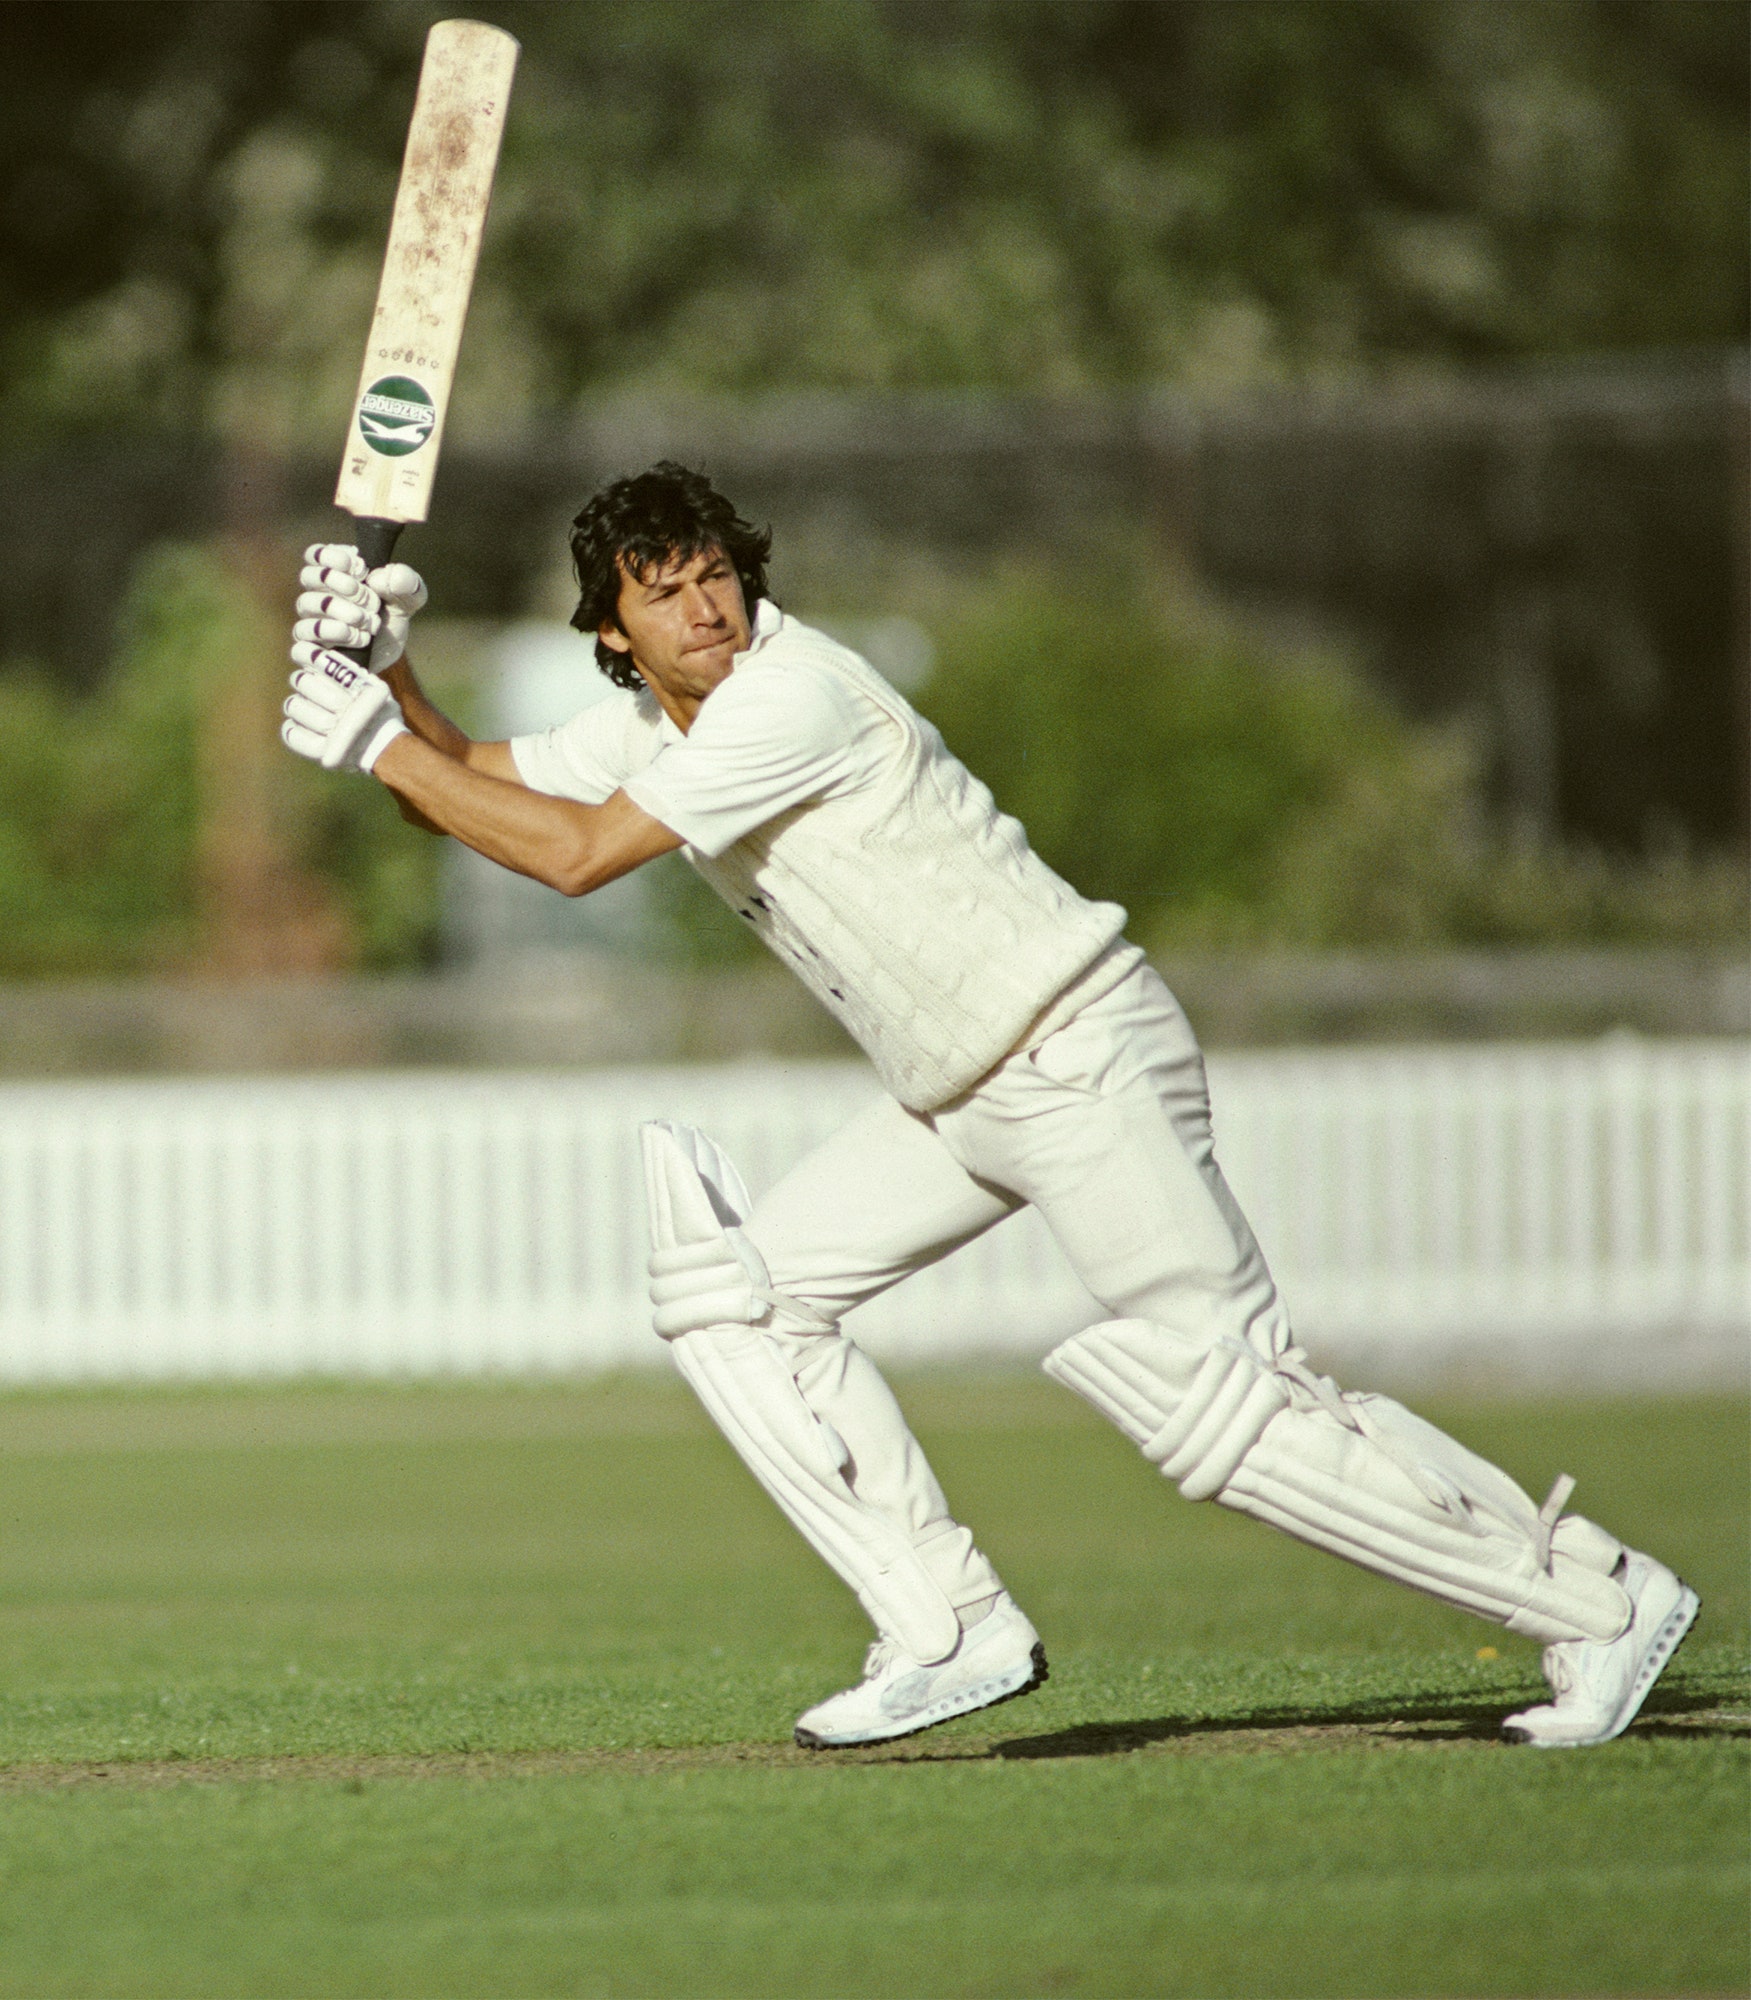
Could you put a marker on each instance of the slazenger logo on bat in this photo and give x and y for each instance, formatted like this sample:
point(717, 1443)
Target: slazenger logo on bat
point(396, 416)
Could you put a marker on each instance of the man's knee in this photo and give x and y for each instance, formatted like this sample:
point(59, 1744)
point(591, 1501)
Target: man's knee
point(705, 1269)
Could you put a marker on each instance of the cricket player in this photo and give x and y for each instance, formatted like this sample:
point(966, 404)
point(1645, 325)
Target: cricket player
point(1029, 1054)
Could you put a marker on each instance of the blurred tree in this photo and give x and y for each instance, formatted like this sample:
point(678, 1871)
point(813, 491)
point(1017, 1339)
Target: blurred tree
point(1034, 194)
point(125, 843)
point(1227, 793)
point(1232, 794)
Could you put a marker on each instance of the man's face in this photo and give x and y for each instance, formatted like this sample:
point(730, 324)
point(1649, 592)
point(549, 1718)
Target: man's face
point(682, 624)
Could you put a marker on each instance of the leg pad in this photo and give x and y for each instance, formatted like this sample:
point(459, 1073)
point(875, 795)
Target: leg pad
point(708, 1284)
point(1358, 1475)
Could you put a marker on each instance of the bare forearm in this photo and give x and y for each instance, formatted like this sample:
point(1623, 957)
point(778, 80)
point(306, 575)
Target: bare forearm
point(422, 714)
point(431, 725)
point(570, 846)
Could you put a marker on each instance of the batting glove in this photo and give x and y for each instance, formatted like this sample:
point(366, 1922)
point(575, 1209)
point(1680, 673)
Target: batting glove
point(341, 603)
point(339, 715)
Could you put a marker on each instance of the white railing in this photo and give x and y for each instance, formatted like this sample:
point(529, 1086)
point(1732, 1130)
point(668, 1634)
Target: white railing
point(1579, 1210)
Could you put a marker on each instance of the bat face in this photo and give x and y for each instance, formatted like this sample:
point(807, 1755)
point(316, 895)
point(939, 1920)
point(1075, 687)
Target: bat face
point(428, 270)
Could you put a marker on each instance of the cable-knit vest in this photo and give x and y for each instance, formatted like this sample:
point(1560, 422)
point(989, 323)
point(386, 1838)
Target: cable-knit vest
point(912, 908)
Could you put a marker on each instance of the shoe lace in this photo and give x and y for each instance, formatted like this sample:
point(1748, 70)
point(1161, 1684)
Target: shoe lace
point(879, 1658)
point(1559, 1669)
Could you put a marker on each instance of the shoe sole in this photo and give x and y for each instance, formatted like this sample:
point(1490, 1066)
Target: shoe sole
point(992, 1692)
point(1674, 1630)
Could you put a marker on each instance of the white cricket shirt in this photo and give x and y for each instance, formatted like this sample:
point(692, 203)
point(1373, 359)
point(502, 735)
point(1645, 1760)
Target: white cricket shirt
point(832, 818)
point(762, 742)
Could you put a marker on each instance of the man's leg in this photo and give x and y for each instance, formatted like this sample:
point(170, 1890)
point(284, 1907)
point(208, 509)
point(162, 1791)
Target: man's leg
point(880, 1199)
point(1106, 1129)
point(752, 1314)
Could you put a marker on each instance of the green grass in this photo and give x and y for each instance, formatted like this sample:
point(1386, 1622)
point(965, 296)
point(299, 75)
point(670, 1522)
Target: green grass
point(485, 1690)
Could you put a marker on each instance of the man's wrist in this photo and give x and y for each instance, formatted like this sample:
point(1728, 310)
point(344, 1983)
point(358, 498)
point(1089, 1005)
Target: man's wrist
point(391, 729)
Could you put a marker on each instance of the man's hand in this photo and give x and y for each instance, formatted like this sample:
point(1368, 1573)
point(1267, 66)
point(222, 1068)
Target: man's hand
point(339, 715)
point(341, 603)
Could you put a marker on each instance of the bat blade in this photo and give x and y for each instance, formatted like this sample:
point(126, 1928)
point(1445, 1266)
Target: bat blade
point(397, 421)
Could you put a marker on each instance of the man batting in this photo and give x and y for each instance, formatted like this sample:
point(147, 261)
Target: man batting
point(1029, 1054)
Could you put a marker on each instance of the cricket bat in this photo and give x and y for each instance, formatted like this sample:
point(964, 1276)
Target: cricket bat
point(397, 422)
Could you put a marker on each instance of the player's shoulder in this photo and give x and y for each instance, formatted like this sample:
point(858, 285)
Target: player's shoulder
point(808, 667)
point(794, 670)
point(784, 641)
point(619, 724)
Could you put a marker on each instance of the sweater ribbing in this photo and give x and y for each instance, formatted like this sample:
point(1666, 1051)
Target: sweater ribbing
point(912, 908)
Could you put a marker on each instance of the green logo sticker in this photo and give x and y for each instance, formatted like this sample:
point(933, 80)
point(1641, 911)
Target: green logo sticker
point(396, 416)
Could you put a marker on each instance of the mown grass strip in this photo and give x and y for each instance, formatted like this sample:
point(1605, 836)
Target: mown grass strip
point(489, 1692)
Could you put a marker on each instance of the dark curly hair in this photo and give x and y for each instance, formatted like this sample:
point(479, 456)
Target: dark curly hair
point(665, 515)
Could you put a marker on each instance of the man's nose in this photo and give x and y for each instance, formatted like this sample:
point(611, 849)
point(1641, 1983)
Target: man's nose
point(702, 609)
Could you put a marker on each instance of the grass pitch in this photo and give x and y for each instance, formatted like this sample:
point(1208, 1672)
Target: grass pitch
point(485, 1691)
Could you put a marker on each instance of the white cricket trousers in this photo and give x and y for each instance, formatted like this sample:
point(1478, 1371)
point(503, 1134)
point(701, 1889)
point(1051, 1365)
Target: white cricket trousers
point(1105, 1129)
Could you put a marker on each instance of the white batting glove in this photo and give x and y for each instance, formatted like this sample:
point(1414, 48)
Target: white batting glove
point(339, 715)
point(341, 603)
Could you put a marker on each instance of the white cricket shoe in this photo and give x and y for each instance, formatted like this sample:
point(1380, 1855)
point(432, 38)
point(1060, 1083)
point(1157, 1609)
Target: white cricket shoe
point(1600, 1684)
point(997, 1659)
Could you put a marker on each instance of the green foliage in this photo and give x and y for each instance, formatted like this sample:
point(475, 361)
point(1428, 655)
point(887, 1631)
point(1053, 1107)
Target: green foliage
point(1230, 793)
point(487, 1690)
point(387, 874)
point(99, 797)
point(724, 195)
point(106, 800)
point(1400, 854)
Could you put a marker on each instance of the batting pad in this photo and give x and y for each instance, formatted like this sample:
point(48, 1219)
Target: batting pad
point(708, 1283)
point(1358, 1475)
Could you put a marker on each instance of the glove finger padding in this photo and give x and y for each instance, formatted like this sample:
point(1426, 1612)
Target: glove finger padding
point(331, 627)
point(303, 740)
point(315, 602)
point(400, 587)
point(338, 561)
point(307, 714)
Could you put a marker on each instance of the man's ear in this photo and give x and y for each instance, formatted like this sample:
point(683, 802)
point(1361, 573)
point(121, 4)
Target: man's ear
point(612, 637)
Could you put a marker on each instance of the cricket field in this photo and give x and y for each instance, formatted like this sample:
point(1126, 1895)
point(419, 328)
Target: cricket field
point(487, 1690)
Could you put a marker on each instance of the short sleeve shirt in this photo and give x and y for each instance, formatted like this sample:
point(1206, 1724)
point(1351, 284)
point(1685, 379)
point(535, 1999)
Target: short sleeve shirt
point(781, 731)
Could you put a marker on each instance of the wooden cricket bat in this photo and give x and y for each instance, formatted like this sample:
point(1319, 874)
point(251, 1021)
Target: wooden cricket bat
point(397, 423)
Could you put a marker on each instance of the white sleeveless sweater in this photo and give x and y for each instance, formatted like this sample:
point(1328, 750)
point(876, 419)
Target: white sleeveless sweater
point(912, 908)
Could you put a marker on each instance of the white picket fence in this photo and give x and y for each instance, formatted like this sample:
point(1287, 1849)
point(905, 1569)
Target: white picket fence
point(1574, 1211)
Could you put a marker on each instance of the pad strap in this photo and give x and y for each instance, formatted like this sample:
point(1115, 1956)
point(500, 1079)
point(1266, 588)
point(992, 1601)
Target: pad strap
point(721, 1279)
point(1358, 1475)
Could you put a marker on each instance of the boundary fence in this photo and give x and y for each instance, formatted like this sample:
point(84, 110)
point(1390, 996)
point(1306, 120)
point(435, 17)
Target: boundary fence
point(1574, 1212)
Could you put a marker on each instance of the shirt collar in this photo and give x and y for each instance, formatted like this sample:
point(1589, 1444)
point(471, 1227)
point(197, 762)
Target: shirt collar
point(767, 619)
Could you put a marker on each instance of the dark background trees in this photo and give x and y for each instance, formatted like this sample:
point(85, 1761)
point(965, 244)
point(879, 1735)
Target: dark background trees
point(708, 194)
point(1416, 324)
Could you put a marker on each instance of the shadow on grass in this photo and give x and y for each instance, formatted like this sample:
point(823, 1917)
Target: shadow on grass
point(1444, 1720)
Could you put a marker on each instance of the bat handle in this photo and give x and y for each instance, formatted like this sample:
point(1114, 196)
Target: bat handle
point(375, 541)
